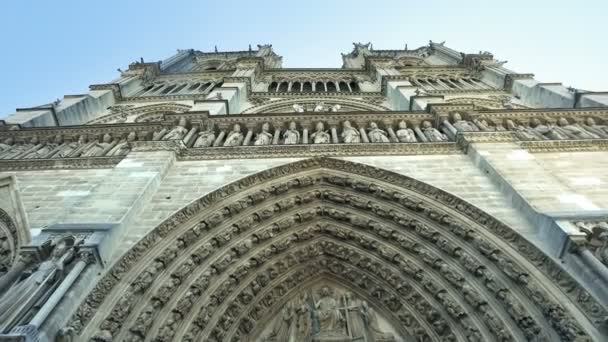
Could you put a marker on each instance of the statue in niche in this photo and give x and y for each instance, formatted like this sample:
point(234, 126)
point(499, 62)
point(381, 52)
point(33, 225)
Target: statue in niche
point(284, 327)
point(523, 132)
point(329, 317)
point(320, 136)
point(335, 108)
point(177, 133)
point(291, 135)
point(235, 137)
point(122, 148)
point(303, 318)
point(319, 107)
point(67, 148)
point(575, 131)
point(356, 316)
point(377, 135)
point(6, 144)
point(593, 127)
point(597, 239)
point(18, 303)
point(463, 125)
point(431, 133)
point(548, 130)
point(205, 138)
point(298, 108)
point(98, 148)
point(264, 137)
point(349, 134)
point(46, 148)
point(405, 134)
point(20, 148)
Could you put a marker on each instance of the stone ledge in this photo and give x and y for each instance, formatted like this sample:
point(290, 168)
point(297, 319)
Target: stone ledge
point(63, 163)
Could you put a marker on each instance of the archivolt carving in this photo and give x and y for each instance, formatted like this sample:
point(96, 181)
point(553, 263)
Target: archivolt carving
point(286, 105)
point(9, 242)
point(153, 112)
point(433, 265)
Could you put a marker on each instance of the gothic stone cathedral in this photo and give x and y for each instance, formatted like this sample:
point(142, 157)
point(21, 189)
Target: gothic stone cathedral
point(411, 195)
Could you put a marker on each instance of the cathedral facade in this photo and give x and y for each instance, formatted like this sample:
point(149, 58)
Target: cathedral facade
point(411, 195)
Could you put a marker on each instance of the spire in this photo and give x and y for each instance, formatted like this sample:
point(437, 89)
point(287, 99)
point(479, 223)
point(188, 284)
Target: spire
point(216, 49)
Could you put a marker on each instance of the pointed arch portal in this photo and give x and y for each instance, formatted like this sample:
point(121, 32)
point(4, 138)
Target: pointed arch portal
point(325, 250)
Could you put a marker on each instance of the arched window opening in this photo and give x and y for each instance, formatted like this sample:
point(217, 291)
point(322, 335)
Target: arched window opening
point(354, 86)
point(319, 86)
point(449, 83)
point(296, 86)
point(344, 87)
point(153, 91)
point(193, 87)
point(178, 89)
point(307, 87)
point(331, 86)
point(283, 87)
point(204, 87)
point(168, 89)
point(273, 87)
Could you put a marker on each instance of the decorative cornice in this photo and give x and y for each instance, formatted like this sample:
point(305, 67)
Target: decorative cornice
point(545, 146)
point(59, 163)
point(325, 150)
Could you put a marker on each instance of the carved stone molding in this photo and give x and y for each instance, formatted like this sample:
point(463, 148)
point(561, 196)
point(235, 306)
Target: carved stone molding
point(197, 275)
point(368, 103)
point(60, 164)
point(548, 146)
point(142, 112)
point(333, 150)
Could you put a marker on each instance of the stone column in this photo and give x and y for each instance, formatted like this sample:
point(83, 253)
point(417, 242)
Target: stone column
point(391, 133)
point(277, 135)
point(248, 136)
point(334, 133)
point(420, 134)
point(364, 137)
point(305, 126)
point(9, 278)
point(220, 138)
point(447, 124)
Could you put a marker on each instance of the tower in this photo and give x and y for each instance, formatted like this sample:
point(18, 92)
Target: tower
point(421, 194)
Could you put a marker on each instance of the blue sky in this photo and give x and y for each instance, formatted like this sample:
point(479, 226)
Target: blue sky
point(52, 48)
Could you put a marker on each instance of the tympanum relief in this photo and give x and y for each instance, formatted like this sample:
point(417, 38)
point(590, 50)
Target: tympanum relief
point(325, 313)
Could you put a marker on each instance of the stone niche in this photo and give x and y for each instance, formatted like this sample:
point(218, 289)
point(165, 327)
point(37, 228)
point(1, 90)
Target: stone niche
point(327, 312)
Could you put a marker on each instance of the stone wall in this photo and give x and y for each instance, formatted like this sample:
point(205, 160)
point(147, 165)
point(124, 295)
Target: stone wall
point(147, 187)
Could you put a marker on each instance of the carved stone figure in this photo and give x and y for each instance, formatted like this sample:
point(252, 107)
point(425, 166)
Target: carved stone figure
point(298, 108)
point(593, 127)
point(575, 131)
point(335, 108)
point(98, 147)
point(320, 136)
point(47, 148)
point(7, 144)
point(122, 148)
point(18, 149)
point(235, 137)
point(405, 134)
point(523, 132)
point(431, 133)
point(329, 317)
point(205, 138)
point(264, 137)
point(548, 130)
point(284, 327)
point(178, 132)
point(66, 149)
point(377, 135)
point(319, 107)
point(39, 283)
point(291, 136)
point(349, 134)
point(463, 125)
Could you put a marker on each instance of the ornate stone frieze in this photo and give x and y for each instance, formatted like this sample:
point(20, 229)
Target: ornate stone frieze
point(399, 242)
point(129, 113)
